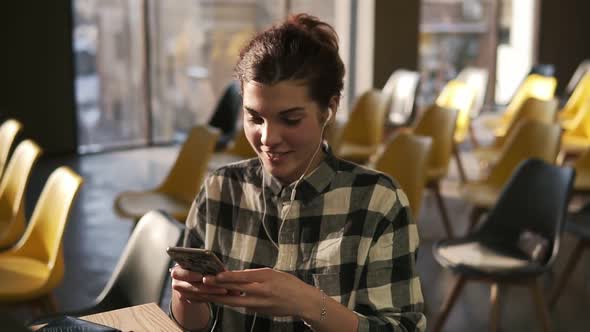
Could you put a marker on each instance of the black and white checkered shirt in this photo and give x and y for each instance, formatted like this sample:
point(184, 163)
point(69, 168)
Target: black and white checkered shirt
point(348, 233)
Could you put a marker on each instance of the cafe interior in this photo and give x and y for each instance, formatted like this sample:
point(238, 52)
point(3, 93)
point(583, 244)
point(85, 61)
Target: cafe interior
point(114, 111)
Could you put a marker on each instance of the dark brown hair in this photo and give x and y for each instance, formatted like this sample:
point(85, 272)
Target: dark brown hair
point(301, 48)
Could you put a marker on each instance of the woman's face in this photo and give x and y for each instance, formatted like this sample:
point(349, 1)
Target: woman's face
point(284, 127)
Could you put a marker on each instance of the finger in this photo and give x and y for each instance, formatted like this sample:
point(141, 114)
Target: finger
point(253, 275)
point(179, 273)
point(253, 288)
point(237, 301)
point(196, 289)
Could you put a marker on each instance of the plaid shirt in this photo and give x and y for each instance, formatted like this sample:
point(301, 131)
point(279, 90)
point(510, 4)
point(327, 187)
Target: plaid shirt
point(348, 232)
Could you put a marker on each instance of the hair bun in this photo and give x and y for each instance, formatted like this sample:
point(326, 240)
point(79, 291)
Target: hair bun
point(321, 31)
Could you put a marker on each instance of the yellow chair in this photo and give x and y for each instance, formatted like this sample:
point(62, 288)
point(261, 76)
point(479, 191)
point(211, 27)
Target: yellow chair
point(405, 158)
point(582, 69)
point(458, 95)
point(535, 86)
point(241, 147)
point(582, 167)
point(477, 79)
point(569, 116)
point(439, 124)
point(35, 265)
point(12, 192)
point(577, 139)
point(532, 109)
point(8, 132)
point(180, 187)
point(532, 139)
point(363, 132)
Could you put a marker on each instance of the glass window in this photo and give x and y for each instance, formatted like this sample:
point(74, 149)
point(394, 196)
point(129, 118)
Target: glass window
point(109, 57)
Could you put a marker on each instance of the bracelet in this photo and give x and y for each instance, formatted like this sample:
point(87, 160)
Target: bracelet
point(184, 329)
point(323, 310)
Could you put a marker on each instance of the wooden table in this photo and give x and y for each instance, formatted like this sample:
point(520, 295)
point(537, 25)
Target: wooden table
point(141, 318)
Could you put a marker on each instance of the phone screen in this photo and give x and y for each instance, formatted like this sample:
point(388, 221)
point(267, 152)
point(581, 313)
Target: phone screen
point(196, 260)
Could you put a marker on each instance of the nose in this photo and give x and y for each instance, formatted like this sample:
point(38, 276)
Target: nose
point(270, 135)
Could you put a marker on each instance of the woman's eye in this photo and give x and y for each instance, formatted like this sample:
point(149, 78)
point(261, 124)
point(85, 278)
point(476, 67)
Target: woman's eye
point(292, 122)
point(255, 119)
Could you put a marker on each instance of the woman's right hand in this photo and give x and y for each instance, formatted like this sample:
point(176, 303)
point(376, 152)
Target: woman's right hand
point(189, 285)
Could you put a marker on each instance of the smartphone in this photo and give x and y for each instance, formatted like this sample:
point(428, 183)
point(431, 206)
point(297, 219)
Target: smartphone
point(197, 260)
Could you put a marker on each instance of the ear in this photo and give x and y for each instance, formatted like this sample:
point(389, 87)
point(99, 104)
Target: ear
point(332, 108)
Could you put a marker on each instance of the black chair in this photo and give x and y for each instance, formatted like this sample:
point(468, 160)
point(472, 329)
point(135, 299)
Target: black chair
point(577, 225)
point(9, 323)
point(528, 214)
point(225, 115)
point(141, 273)
point(545, 69)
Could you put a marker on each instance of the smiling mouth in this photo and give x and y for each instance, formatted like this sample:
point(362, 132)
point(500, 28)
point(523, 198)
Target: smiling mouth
point(275, 156)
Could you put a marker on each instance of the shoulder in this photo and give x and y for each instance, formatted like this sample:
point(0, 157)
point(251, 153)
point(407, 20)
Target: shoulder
point(358, 176)
point(370, 189)
point(244, 171)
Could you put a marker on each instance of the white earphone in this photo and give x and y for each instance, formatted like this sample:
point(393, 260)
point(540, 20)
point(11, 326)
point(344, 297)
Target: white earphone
point(329, 117)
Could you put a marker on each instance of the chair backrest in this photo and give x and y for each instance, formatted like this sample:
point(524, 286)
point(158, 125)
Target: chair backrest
point(367, 120)
point(8, 131)
point(532, 109)
point(583, 161)
point(405, 158)
point(458, 95)
point(241, 147)
point(580, 93)
point(400, 95)
point(185, 177)
point(12, 192)
point(579, 125)
point(581, 70)
point(225, 117)
point(439, 124)
point(534, 85)
point(42, 238)
point(477, 79)
point(531, 139)
point(545, 69)
point(535, 199)
point(140, 274)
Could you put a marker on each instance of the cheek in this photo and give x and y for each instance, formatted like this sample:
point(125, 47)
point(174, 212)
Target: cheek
point(252, 134)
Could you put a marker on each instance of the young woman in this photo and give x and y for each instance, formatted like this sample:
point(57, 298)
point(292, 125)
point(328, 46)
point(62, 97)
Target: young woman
point(309, 240)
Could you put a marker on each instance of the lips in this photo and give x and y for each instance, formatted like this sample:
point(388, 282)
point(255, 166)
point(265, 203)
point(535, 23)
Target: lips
point(275, 156)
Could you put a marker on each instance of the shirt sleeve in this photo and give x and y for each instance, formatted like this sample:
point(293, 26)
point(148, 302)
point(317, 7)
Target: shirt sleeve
point(195, 222)
point(389, 295)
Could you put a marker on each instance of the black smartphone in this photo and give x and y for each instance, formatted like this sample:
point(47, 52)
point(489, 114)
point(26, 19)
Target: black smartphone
point(197, 260)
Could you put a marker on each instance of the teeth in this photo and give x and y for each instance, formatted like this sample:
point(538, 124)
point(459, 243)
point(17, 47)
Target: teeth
point(275, 154)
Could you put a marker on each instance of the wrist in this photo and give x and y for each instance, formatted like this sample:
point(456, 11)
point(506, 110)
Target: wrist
point(314, 307)
point(200, 314)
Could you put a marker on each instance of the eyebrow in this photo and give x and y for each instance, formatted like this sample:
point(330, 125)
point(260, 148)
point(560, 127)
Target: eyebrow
point(283, 112)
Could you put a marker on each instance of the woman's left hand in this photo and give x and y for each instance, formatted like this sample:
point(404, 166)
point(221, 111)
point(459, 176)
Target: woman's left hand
point(264, 290)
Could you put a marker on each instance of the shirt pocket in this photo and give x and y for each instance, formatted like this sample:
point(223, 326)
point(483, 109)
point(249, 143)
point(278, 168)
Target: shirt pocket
point(335, 285)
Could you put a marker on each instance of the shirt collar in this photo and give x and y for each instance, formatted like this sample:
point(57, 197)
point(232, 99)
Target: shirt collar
point(311, 185)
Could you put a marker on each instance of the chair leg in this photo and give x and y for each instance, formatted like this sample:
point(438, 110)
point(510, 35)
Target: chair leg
point(569, 268)
point(460, 167)
point(473, 137)
point(495, 307)
point(448, 304)
point(474, 217)
point(540, 303)
point(48, 304)
point(442, 208)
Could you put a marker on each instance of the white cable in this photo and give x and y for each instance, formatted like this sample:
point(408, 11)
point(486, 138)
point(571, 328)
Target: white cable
point(293, 193)
point(292, 198)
